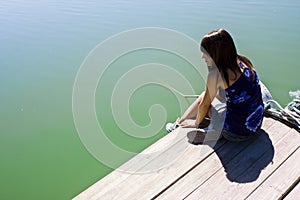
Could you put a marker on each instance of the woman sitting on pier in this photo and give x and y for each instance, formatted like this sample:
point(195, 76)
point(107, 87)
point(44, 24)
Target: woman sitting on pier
point(231, 79)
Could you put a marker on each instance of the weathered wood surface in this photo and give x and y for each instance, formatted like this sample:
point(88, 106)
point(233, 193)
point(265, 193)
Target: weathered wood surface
point(268, 166)
point(294, 194)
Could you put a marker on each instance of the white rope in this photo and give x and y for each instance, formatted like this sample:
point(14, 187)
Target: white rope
point(284, 111)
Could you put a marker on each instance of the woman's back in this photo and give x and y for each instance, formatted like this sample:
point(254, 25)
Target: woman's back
point(244, 104)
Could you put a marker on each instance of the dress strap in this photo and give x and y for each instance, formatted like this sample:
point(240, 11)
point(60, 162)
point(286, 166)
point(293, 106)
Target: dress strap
point(241, 65)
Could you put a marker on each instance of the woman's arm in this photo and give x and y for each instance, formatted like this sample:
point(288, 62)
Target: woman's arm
point(209, 94)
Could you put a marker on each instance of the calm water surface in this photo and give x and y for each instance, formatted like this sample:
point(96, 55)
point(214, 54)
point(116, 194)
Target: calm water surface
point(43, 44)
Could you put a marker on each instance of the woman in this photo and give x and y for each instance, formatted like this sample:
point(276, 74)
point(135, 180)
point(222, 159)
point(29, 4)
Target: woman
point(231, 78)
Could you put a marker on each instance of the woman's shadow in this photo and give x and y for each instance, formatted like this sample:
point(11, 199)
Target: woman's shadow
point(242, 161)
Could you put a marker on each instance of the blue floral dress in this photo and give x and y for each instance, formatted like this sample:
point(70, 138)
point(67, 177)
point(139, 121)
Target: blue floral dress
point(244, 104)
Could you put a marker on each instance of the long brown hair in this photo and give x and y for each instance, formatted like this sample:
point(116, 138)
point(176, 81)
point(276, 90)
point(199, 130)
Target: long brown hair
point(219, 45)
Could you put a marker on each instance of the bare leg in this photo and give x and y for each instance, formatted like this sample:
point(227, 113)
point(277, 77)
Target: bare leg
point(192, 111)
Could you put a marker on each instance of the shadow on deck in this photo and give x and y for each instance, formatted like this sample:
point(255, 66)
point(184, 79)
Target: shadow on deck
point(256, 154)
point(265, 168)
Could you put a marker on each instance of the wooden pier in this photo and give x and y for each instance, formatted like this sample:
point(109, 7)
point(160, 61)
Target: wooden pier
point(266, 168)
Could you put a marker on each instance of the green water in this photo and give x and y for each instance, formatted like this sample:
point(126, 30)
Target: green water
point(43, 44)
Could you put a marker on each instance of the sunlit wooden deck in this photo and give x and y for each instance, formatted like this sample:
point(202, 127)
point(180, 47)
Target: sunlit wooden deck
point(267, 168)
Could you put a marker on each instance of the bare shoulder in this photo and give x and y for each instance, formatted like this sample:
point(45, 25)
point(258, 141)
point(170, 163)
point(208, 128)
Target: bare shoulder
point(214, 77)
point(213, 82)
point(213, 73)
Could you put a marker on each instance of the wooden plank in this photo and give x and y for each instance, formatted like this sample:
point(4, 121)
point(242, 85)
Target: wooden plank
point(120, 182)
point(294, 194)
point(143, 186)
point(283, 149)
point(230, 177)
point(267, 123)
point(139, 161)
point(207, 168)
point(119, 175)
point(202, 172)
point(280, 181)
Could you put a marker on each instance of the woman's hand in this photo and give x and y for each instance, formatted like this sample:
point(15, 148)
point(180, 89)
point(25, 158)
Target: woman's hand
point(189, 124)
